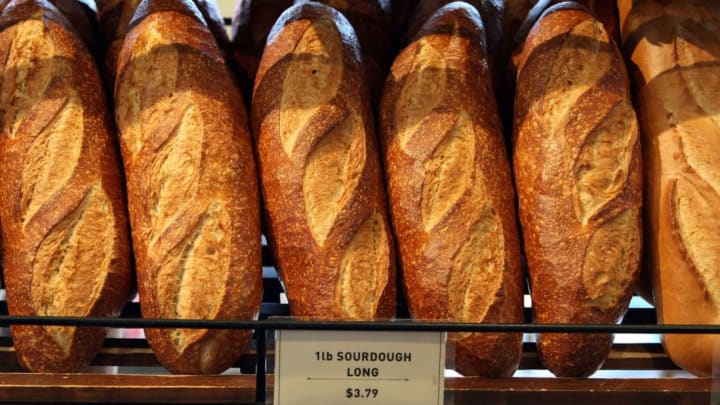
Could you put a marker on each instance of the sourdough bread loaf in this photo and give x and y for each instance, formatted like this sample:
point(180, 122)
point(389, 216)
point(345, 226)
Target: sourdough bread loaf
point(192, 187)
point(320, 170)
point(66, 249)
point(579, 182)
point(673, 49)
point(451, 193)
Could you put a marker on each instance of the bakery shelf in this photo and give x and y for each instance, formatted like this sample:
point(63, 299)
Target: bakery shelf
point(126, 371)
point(132, 375)
point(103, 388)
point(580, 391)
point(126, 388)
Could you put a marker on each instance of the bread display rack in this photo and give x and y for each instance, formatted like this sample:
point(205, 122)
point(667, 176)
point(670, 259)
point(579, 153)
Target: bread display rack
point(126, 370)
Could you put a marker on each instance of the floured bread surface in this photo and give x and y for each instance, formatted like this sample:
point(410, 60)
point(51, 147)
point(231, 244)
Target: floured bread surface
point(584, 58)
point(677, 100)
point(603, 165)
point(427, 81)
point(332, 173)
point(312, 79)
point(52, 157)
point(477, 269)
point(175, 171)
point(451, 190)
point(700, 77)
point(65, 250)
point(191, 281)
point(611, 260)
point(28, 71)
point(699, 71)
point(699, 145)
point(448, 172)
point(148, 82)
point(157, 117)
point(694, 212)
point(364, 266)
point(69, 266)
point(71, 263)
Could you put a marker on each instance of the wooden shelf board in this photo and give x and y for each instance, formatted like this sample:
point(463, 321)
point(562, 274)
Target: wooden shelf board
point(656, 391)
point(126, 388)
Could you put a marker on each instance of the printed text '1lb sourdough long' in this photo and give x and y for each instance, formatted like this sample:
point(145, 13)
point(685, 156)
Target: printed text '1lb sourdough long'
point(192, 187)
point(320, 169)
point(450, 189)
point(578, 172)
point(64, 223)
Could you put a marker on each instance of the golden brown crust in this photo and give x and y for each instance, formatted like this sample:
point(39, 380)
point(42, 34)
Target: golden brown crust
point(65, 232)
point(491, 12)
point(674, 52)
point(604, 11)
point(578, 175)
point(192, 186)
point(372, 22)
point(320, 170)
point(116, 16)
point(450, 189)
point(83, 19)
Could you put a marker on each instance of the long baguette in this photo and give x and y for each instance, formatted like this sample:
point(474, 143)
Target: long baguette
point(192, 187)
point(674, 53)
point(451, 192)
point(320, 170)
point(578, 174)
point(64, 224)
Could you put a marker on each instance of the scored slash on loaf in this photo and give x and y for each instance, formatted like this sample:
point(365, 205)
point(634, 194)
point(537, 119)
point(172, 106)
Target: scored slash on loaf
point(191, 183)
point(320, 172)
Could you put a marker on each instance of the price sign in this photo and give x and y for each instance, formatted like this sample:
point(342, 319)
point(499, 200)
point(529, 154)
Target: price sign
point(359, 367)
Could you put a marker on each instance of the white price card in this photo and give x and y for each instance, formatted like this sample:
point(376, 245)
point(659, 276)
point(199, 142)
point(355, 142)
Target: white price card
point(359, 367)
